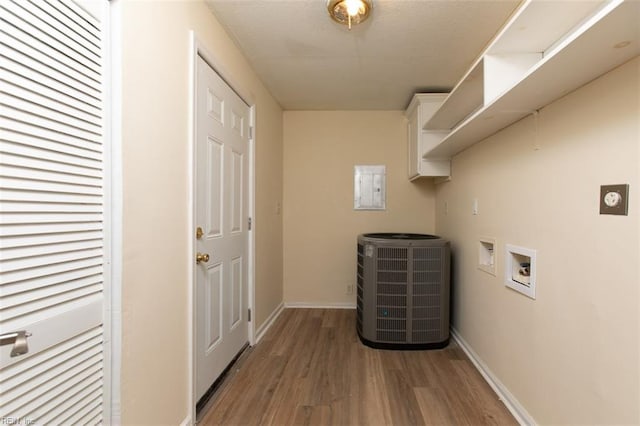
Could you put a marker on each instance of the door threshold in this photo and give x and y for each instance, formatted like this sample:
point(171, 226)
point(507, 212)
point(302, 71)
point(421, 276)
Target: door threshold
point(208, 395)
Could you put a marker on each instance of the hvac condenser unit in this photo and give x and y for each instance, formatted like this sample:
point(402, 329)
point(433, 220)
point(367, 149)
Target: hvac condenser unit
point(403, 291)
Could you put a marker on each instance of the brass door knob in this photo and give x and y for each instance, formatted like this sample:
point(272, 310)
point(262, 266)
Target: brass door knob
point(202, 257)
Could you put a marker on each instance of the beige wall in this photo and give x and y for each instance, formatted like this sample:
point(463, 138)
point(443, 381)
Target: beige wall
point(572, 355)
point(156, 238)
point(320, 150)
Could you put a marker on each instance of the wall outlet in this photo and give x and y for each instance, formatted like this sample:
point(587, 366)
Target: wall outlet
point(349, 289)
point(614, 199)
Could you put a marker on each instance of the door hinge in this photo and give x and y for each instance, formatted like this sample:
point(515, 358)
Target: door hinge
point(250, 132)
point(249, 224)
point(249, 315)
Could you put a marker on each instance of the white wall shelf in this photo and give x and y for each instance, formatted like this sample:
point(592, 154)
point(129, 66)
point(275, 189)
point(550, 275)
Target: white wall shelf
point(464, 99)
point(545, 51)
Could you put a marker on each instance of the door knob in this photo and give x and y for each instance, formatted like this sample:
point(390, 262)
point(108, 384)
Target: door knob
point(19, 341)
point(202, 257)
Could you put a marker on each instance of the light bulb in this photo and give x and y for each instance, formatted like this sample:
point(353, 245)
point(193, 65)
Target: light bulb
point(353, 6)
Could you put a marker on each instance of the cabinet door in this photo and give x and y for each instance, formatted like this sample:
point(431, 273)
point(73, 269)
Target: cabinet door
point(413, 141)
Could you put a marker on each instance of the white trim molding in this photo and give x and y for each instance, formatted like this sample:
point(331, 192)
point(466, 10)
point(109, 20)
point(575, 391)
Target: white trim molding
point(508, 399)
point(193, 58)
point(312, 305)
point(112, 15)
point(262, 330)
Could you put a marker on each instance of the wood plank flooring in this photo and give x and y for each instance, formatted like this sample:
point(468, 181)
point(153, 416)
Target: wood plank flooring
point(311, 369)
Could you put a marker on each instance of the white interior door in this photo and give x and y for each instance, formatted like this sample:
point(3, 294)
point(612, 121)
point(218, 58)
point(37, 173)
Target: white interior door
point(222, 179)
point(52, 214)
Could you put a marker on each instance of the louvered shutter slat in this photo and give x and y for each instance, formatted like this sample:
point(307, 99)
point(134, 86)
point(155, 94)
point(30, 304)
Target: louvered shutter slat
point(83, 41)
point(31, 129)
point(22, 207)
point(28, 57)
point(43, 36)
point(45, 259)
point(53, 107)
point(38, 294)
point(46, 197)
point(66, 374)
point(49, 153)
point(78, 15)
point(46, 217)
point(33, 120)
point(66, 400)
point(56, 169)
point(59, 177)
point(41, 78)
point(46, 228)
point(61, 247)
point(22, 241)
point(53, 116)
point(43, 186)
point(20, 84)
point(85, 409)
point(60, 279)
point(49, 269)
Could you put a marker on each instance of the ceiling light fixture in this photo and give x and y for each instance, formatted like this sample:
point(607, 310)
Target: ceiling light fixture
point(348, 12)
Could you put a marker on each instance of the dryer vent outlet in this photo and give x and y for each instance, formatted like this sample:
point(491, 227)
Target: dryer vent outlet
point(403, 291)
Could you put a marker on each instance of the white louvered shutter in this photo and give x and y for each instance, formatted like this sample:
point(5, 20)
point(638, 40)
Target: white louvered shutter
point(52, 212)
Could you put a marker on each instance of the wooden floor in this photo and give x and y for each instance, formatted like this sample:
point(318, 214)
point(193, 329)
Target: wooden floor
point(310, 368)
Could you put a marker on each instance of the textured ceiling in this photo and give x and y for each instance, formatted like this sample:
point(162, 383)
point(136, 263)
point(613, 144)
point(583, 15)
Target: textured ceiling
point(309, 62)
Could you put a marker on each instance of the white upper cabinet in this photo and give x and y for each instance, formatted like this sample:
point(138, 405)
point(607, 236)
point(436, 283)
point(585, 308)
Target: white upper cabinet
point(420, 110)
point(546, 50)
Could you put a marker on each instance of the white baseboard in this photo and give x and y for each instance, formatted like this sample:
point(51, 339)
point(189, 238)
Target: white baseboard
point(311, 305)
point(269, 322)
point(186, 421)
point(260, 332)
point(513, 405)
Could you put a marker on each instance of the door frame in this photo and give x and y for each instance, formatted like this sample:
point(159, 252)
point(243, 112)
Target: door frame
point(113, 199)
point(109, 16)
point(197, 48)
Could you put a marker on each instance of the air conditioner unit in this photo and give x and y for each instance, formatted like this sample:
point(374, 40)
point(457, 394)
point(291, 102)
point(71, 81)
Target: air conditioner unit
point(403, 291)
